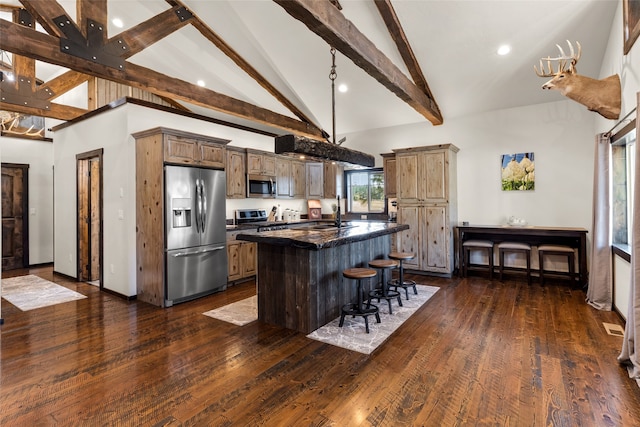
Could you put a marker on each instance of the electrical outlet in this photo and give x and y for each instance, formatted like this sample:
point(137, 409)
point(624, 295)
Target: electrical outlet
point(363, 217)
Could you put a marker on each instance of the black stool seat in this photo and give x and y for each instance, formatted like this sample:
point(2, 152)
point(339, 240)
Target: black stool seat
point(383, 292)
point(358, 309)
point(400, 282)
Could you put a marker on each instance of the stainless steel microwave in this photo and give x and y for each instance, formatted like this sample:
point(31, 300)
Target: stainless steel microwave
point(261, 186)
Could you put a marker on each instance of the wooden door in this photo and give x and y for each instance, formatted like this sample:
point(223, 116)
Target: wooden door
point(283, 178)
point(315, 183)
point(249, 259)
point(89, 214)
point(407, 175)
point(435, 183)
point(298, 180)
point(233, 257)
point(15, 235)
point(236, 181)
point(389, 166)
point(436, 242)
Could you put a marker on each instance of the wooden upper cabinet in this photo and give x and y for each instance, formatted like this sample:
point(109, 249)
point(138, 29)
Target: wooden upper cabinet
point(435, 185)
point(315, 182)
point(423, 174)
point(389, 167)
point(261, 163)
point(283, 177)
point(235, 171)
point(407, 178)
point(298, 188)
point(181, 148)
point(333, 180)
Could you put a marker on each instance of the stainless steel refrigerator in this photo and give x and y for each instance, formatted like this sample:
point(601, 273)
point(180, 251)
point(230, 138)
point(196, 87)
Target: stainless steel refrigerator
point(195, 253)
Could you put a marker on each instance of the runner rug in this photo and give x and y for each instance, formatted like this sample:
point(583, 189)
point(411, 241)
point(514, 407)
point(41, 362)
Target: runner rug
point(239, 313)
point(30, 292)
point(352, 335)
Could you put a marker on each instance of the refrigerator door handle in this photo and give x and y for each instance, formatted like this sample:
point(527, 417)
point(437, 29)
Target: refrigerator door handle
point(204, 251)
point(203, 196)
point(198, 206)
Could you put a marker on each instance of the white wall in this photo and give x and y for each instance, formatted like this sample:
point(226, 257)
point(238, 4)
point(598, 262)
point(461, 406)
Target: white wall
point(112, 131)
point(39, 156)
point(107, 131)
point(561, 136)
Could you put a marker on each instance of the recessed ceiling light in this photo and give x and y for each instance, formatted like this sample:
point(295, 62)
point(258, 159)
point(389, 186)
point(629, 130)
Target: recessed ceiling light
point(200, 83)
point(117, 22)
point(343, 88)
point(504, 49)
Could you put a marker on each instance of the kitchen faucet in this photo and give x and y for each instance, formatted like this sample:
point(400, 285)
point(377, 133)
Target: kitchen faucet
point(338, 222)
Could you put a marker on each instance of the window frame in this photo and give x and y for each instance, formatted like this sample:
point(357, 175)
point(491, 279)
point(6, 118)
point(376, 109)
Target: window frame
point(625, 139)
point(348, 207)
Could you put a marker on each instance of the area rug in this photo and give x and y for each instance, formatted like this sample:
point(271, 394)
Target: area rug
point(239, 313)
point(353, 335)
point(30, 292)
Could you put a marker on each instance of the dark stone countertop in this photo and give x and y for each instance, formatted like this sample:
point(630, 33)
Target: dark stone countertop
point(315, 239)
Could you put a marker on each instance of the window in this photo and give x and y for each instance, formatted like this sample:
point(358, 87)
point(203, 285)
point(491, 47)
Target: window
point(365, 191)
point(624, 167)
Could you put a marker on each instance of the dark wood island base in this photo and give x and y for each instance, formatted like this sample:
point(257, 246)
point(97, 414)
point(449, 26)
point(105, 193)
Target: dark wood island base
point(300, 284)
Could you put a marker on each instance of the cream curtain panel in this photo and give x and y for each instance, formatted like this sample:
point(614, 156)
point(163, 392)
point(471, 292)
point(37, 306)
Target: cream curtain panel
point(630, 354)
point(599, 293)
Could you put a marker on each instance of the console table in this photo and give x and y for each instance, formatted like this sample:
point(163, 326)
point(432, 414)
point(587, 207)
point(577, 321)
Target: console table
point(534, 235)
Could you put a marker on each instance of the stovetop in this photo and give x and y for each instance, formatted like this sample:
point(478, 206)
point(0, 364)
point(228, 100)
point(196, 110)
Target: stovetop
point(244, 216)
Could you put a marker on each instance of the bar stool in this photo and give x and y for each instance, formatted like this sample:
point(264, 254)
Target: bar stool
point(383, 291)
point(400, 282)
point(471, 245)
point(524, 248)
point(357, 309)
point(556, 250)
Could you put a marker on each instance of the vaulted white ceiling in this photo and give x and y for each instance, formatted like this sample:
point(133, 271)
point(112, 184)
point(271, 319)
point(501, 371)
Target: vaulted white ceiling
point(455, 43)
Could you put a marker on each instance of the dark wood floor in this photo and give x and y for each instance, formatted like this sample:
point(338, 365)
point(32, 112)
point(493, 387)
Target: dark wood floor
point(478, 353)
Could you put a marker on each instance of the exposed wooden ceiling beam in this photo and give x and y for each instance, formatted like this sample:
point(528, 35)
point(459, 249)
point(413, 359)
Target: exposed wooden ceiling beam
point(396, 31)
point(328, 22)
point(64, 83)
point(46, 48)
point(55, 111)
point(25, 95)
point(94, 10)
point(224, 47)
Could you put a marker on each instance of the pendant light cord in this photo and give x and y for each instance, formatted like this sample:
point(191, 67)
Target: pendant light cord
point(332, 77)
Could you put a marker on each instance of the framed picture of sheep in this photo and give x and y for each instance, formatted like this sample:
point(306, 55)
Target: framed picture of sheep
point(518, 172)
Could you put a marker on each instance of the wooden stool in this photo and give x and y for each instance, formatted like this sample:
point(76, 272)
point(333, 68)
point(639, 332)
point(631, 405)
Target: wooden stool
point(383, 291)
point(357, 309)
point(556, 250)
point(525, 248)
point(471, 245)
point(400, 282)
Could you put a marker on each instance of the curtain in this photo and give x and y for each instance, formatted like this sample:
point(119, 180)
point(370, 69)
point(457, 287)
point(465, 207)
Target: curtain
point(630, 354)
point(599, 293)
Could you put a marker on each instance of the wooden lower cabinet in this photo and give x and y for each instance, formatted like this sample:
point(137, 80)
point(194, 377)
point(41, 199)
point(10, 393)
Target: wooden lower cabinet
point(428, 236)
point(242, 258)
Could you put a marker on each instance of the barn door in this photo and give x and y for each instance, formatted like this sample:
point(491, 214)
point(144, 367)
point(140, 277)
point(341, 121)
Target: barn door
point(89, 170)
point(15, 224)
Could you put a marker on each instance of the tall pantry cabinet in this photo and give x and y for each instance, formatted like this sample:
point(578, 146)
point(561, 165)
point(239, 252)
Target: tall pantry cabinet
point(427, 201)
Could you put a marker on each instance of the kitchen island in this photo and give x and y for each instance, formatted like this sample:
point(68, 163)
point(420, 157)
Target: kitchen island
point(300, 283)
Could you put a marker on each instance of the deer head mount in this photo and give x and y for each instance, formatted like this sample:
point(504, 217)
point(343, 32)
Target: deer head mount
point(601, 96)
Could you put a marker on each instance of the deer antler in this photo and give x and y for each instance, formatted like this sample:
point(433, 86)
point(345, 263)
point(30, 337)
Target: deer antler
point(562, 61)
point(549, 72)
